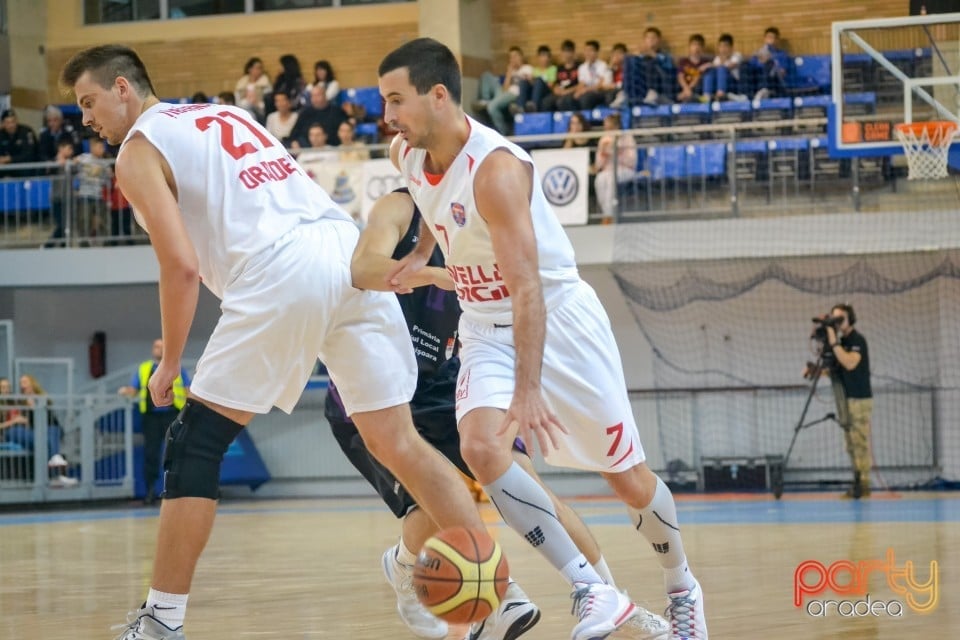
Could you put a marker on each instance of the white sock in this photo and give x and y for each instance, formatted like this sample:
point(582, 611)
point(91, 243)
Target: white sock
point(168, 608)
point(601, 567)
point(404, 555)
point(657, 522)
point(528, 510)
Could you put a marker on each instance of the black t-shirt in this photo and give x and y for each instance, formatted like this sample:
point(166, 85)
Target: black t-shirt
point(567, 76)
point(856, 383)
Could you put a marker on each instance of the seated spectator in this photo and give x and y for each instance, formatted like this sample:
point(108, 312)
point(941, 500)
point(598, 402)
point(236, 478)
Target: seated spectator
point(95, 175)
point(13, 424)
point(289, 81)
point(200, 97)
point(351, 149)
point(773, 63)
point(323, 76)
point(320, 111)
point(226, 97)
point(55, 130)
point(251, 88)
point(35, 401)
point(317, 149)
point(658, 74)
point(60, 190)
point(562, 97)
point(594, 79)
point(281, 122)
point(616, 97)
point(616, 163)
point(507, 99)
point(577, 125)
point(544, 77)
point(690, 70)
point(722, 80)
point(18, 142)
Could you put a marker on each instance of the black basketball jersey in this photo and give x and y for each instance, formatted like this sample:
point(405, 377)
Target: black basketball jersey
point(431, 313)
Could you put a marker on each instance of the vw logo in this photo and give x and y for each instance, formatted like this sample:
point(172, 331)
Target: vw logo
point(560, 185)
point(378, 186)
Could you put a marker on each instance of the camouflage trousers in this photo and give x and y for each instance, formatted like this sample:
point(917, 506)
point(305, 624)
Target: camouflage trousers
point(855, 420)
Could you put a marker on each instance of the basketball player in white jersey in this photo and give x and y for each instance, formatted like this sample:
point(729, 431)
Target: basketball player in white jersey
point(226, 205)
point(538, 356)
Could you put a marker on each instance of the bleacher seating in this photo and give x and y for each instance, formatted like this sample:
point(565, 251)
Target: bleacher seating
point(368, 98)
point(24, 194)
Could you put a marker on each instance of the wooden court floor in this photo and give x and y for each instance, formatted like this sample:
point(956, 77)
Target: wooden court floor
point(308, 569)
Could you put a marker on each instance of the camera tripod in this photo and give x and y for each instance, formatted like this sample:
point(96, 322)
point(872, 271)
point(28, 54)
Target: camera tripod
point(816, 374)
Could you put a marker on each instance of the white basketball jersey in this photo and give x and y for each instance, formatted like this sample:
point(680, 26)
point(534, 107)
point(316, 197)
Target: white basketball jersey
point(448, 205)
point(238, 189)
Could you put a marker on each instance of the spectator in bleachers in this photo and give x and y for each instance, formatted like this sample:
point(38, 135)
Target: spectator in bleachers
point(251, 88)
point(320, 111)
point(594, 79)
point(657, 72)
point(562, 97)
point(722, 80)
point(282, 121)
point(773, 62)
point(95, 175)
point(35, 401)
point(50, 135)
point(60, 190)
point(289, 81)
point(507, 98)
point(616, 96)
point(226, 97)
point(18, 142)
point(323, 76)
point(690, 70)
point(351, 149)
point(317, 148)
point(200, 97)
point(616, 162)
point(578, 125)
point(13, 424)
point(544, 78)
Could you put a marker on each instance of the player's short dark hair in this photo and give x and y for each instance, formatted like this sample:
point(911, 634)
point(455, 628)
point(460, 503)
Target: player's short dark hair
point(772, 30)
point(429, 63)
point(106, 63)
point(726, 37)
point(593, 43)
point(698, 37)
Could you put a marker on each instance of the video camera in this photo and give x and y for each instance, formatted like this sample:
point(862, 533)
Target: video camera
point(819, 335)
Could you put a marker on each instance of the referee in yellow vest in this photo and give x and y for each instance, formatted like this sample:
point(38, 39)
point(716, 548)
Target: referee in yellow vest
point(154, 420)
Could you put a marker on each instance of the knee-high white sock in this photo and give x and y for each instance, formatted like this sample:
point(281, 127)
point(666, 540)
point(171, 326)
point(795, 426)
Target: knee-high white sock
point(168, 608)
point(528, 510)
point(657, 522)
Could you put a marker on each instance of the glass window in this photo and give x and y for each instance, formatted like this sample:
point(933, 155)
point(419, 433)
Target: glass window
point(100, 11)
point(282, 5)
point(192, 8)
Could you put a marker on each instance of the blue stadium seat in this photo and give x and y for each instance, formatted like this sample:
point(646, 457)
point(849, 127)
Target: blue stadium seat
point(25, 194)
point(368, 131)
point(867, 100)
point(812, 73)
point(561, 121)
point(788, 144)
point(597, 115)
point(532, 124)
point(708, 160)
point(668, 162)
point(773, 109)
point(367, 97)
point(644, 116)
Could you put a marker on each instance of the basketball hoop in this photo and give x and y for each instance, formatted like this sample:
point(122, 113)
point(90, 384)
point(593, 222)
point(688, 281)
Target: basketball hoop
point(927, 146)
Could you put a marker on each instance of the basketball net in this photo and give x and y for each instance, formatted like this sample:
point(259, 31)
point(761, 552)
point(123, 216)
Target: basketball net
point(927, 147)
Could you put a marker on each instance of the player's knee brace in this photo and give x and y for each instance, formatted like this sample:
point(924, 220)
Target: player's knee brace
point(196, 443)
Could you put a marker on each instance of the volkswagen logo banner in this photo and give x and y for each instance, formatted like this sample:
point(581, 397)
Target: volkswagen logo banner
point(563, 178)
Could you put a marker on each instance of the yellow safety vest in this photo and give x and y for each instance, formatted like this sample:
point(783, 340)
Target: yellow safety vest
point(179, 392)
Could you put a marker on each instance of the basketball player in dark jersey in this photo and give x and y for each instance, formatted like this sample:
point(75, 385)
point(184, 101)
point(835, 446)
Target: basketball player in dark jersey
point(432, 314)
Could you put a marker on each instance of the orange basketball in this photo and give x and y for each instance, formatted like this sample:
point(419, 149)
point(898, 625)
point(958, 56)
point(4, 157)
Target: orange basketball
point(461, 575)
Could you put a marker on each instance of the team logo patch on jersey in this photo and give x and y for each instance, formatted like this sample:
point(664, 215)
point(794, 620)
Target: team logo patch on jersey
point(459, 213)
point(560, 185)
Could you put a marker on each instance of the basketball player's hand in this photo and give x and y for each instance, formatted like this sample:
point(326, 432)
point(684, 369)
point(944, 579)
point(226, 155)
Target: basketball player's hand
point(161, 383)
point(534, 420)
point(406, 272)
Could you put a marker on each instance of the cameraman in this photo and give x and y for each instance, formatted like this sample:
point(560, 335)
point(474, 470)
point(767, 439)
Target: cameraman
point(851, 372)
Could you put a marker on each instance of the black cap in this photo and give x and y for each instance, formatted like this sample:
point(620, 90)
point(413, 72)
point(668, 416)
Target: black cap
point(7, 113)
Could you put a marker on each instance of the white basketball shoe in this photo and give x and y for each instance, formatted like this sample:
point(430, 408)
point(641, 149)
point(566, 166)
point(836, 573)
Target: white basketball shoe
point(420, 621)
point(514, 617)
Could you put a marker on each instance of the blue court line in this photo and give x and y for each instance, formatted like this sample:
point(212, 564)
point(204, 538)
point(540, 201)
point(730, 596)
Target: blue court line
point(691, 512)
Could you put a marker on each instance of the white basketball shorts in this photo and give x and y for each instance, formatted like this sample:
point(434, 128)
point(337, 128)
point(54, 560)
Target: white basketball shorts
point(293, 303)
point(582, 382)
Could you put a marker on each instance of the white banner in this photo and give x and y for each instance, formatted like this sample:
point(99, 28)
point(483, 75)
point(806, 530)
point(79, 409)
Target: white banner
point(564, 175)
point(380, 177)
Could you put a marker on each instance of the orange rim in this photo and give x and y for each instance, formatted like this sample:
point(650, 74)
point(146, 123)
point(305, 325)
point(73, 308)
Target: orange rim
point(936, 130)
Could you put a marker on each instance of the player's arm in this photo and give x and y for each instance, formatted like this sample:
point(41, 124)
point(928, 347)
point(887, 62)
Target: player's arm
point(502, 190)
point(141, 177)
point(373, 263)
